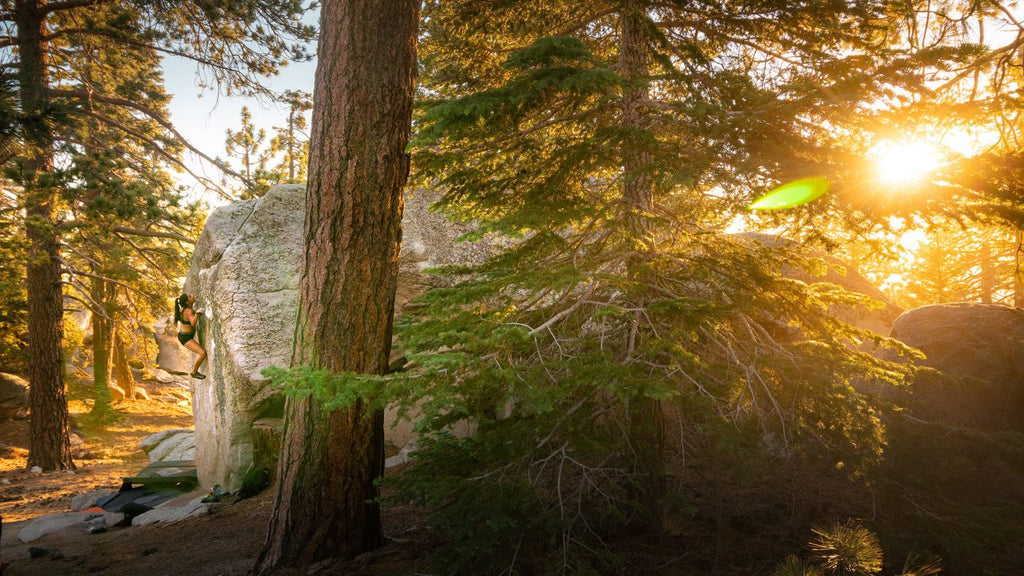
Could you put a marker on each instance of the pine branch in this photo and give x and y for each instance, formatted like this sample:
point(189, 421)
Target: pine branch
point(92, 306)
point(141, 253)
point(144, 255)
point(167, 155)
point(242, 78)
point(1003, 54)
point(152, 114)
point(67, 5)
point(246, 80)
point(72, 272)
point(80, 255)
point(152, 234)
point(583, 22)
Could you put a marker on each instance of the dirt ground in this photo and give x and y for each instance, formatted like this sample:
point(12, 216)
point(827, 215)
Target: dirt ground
point(225, 542)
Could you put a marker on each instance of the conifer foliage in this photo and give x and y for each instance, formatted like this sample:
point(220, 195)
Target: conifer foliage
point(61, 56)
point(607, 145)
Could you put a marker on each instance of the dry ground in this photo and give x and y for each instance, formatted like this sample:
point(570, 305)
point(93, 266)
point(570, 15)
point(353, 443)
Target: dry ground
point(105, 457)
point(225, 542)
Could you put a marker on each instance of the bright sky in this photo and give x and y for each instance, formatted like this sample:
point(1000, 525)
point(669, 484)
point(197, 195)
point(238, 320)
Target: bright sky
point(204, 117)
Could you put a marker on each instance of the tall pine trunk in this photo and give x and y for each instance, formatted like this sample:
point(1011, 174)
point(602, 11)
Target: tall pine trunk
point(122, 370)
point(49, 430)
point(101, 331)
point(987, 285)
point(646, 422)
point(1018, 270)
point(358, 167)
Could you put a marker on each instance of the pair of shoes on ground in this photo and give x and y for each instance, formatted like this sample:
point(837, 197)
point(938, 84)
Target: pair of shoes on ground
point(198, 375)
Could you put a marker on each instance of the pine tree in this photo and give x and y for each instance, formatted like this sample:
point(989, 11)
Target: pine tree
point(291, 140)
point(246, 145)
point(609, 145)
point(290, 143)
point(13, 305)
point(957, 264)
point(117, 189)
point(235, 42)
point(326, 498)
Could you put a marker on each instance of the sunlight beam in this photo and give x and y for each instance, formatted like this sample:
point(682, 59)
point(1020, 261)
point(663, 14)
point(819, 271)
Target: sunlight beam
point(904, 162)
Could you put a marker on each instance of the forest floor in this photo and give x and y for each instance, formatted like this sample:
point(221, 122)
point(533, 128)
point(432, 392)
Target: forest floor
point(956, 496)
point(225, 542)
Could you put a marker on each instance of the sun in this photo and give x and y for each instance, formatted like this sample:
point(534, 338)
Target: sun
point(904, 162)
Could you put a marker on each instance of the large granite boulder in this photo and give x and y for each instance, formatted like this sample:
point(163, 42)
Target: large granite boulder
point(13, 396)
point(245, 273)
point(977, 353)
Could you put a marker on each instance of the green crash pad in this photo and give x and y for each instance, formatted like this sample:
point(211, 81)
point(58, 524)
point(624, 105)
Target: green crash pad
point(185, 479)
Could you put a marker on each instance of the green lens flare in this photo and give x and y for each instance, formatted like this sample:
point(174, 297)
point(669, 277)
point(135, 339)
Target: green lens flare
point(793, 194)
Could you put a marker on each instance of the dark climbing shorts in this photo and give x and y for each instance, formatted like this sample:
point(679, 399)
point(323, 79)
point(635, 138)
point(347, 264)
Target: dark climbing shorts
point(184, 337)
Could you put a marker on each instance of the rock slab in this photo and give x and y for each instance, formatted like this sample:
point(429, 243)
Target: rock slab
point(13, 396)
point(245, 273)
point(169, 515)
point(978, 351)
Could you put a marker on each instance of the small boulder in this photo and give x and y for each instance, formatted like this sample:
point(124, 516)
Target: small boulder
point(169, 515)
point(154, 440)
point(116, 392)
point(87, 500)
point(171, 355)
point(36, 528)
point(180, 446)
point(164, 377)
point(13, 396)
point(977, 353)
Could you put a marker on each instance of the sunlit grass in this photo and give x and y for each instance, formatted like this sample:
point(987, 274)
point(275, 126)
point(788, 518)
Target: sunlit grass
point(796, 566)
point(847, 549)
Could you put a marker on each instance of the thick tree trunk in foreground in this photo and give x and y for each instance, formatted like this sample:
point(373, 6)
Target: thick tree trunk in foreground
point(49, 439)
point(358, 167)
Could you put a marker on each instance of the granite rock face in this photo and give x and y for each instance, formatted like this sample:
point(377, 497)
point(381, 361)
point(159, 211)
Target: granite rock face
point(13, 396)
point(977, 352)
point(245, 274)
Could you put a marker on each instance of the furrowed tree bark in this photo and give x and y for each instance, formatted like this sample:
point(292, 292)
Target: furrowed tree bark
point(1018, 270)
point(49, 430)
point(645, 414)
point(123, 370)
point(363, 96)
point(101, 330)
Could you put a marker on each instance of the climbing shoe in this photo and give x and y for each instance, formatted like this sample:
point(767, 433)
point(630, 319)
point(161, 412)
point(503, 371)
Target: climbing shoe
point(198, 376)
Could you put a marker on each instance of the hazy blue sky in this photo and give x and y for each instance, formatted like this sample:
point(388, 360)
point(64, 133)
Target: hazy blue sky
point(203, 117)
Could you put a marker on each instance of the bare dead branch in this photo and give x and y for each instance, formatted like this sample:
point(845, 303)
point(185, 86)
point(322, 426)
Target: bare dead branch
point(152, 234)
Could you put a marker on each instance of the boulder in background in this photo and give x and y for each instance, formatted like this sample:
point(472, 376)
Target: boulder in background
point(977, 352)
point(13, 396)
point(245, 273)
